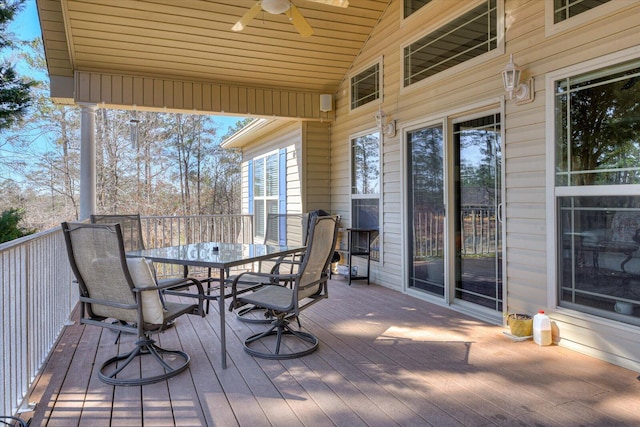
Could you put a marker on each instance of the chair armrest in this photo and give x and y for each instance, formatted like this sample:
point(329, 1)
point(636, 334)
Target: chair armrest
point(188, 281)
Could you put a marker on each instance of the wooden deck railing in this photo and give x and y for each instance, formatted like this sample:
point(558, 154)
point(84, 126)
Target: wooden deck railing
point(37, 294)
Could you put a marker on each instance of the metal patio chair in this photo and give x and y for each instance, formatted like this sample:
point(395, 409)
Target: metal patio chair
point(131, 227)
point(295, 234)
point(113, 287)
point(284, 303)
point(8, 420)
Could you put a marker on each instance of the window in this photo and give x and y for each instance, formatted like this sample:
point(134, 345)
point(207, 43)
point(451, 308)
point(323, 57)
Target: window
point(411, 6)
point(597, 191)
point(365, 185)
point(565, 9)
point(598, 127)
point(365, 86)
point(265, 191)
point(464, 38)
point(563, 15)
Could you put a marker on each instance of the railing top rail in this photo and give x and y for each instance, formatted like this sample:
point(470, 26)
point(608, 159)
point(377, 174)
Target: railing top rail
point(22, 240)
point(197, 216)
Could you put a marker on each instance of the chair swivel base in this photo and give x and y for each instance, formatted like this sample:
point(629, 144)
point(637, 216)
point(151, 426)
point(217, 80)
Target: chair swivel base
point(281, 329)
point(143, 347)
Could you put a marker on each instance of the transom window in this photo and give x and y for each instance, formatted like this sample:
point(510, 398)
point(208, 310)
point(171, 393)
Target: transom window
point(411, 6)
point(565, 9)
point(597, 191)
point(464, 38)
point(365, 86)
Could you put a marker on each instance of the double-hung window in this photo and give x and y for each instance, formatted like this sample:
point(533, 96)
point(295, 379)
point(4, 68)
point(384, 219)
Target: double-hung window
point(596, 175)
point(265, 186)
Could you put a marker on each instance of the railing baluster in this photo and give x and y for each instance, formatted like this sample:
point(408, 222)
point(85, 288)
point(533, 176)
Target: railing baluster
point(37, 299)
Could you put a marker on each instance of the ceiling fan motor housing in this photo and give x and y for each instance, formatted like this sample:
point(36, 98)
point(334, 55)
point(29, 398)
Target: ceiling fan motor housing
point(275, 7)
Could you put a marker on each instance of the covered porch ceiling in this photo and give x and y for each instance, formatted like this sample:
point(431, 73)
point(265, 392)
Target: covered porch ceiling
point(183, 55)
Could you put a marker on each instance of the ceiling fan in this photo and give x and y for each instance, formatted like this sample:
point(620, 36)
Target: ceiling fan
point(277, 7)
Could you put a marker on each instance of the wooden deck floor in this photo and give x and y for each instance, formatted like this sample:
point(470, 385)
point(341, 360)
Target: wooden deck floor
point(385, 359)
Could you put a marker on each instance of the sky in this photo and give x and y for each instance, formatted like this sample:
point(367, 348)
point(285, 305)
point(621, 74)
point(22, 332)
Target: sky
point(26, 25)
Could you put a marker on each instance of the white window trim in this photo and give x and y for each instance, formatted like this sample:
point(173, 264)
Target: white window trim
point(552, 192)
point(380, 61)
point(552, 29)
point(485, 57)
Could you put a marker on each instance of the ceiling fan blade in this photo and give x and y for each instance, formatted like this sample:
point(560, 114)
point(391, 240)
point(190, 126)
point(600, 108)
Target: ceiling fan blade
point(247, 17)
point(337, 3)
point(299, 22)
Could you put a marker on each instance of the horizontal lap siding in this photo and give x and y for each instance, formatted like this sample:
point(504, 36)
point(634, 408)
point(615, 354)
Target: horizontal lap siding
point(288, 137)
point(308, 163)
point(317, 166)
point(156, 94)
point(527, 282)
point(525, 156)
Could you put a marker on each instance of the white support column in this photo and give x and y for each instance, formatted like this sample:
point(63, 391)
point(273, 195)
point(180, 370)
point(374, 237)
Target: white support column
point(87, 160)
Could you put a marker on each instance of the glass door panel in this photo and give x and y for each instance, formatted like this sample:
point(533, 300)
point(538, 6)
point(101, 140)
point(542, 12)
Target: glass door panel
point(426, 209)
point(478, 225)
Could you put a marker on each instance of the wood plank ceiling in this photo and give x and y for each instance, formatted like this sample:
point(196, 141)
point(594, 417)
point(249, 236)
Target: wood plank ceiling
point(191, 40)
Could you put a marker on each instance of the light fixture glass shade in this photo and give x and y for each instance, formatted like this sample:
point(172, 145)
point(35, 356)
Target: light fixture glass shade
point(511, 77)
point(275, 7)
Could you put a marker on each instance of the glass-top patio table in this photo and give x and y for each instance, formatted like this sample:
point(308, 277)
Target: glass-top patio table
point(220, 256)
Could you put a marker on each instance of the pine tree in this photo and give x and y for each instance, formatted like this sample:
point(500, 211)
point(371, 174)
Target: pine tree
point(15, 95)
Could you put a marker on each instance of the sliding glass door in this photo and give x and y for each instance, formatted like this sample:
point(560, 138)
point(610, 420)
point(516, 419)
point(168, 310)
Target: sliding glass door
point(426, 211)
point(478, 225)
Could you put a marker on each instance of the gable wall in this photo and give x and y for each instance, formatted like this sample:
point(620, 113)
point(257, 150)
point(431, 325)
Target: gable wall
point(524, 144)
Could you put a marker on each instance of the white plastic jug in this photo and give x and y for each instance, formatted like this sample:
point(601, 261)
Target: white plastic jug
point(541, 329)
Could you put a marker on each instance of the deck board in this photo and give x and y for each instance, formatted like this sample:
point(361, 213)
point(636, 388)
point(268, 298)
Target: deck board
point(385, 359)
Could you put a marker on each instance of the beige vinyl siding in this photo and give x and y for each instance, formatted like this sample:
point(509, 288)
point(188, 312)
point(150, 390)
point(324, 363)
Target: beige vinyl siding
point(308, 163)
point(528, 285)
point(316, 173)
point(58, 61)
point(283, 136)
point(525, 130)
point(155, 94)
point(294, 188)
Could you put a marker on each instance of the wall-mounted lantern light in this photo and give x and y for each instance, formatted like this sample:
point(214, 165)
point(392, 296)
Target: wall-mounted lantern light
point(523, 92)
point(386, 126)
